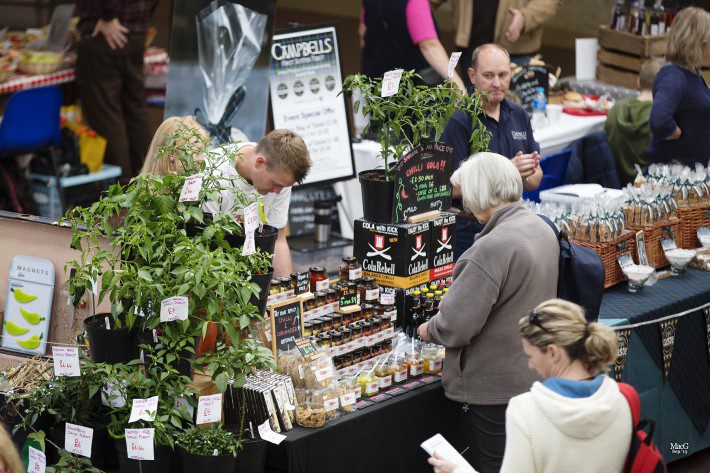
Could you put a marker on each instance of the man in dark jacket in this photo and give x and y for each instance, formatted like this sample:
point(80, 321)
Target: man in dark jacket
point(627, 125)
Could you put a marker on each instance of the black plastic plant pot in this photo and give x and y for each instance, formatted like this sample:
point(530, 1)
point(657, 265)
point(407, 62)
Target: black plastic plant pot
point(264, 240)
point(110, 346)
point(191, 463)
point(252, 457)
point(99, 444)
point(182, 364)
point(377, 196)
point(160, 464)
point(264, 283)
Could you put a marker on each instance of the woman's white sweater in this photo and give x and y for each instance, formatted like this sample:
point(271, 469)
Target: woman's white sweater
point(548, 432)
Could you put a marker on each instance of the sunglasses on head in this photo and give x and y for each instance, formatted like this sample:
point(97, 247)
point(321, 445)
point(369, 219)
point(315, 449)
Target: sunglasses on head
point(534, 320)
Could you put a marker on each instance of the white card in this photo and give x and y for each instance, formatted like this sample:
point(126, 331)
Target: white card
point(144, 409)
point(347, 399)
point(269, 435)
point(78, 439)
point(66, 361)
point(438, 444)
point(209, 409)
point(386, 298)
point(173, 308)
point(139, 444)
point(182, 404)
point(112, 395)
point(390, 82)
point(322, 285)
point(251, 217)
point(453, 60)
point(249, 246)
point(38, 462)
point(191, 188)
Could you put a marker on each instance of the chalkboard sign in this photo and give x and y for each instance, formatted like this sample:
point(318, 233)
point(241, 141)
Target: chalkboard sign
point(348, 295)
point(302, 283)
point(422, 181)
point(286, 325)
point(300, 212)
point(526, 81)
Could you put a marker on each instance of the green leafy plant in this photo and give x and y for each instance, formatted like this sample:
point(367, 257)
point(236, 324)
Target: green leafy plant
point(207, 442)
point(416, 113)
point(73, 463)
point(230, 363)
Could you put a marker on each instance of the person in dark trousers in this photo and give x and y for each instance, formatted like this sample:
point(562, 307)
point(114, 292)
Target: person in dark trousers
point(507, 123)
point(109, 75)
point(681, 98)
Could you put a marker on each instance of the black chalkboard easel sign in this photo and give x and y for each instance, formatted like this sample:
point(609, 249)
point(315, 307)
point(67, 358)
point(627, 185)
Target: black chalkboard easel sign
point(302, 283)
point(286, 325)
point(348, 295)
point(526, 81)
point(422, 181)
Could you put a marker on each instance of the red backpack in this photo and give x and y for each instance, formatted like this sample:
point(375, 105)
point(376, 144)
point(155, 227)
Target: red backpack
point(644, 456)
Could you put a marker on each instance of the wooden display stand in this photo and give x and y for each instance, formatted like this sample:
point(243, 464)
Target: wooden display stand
point(621, 55)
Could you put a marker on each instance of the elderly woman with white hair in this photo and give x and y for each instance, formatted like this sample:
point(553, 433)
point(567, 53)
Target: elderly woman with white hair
point(511, 267)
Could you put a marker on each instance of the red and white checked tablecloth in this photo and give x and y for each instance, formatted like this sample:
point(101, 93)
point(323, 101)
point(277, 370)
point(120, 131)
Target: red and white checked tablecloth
point(156, 62)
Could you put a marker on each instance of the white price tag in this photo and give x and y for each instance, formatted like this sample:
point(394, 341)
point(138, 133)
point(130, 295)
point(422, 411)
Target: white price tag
point(400, 376)
point(182, 404)
point(66, 361)
point(331, 404)
point(355, 274)
point(386, 298)
point(372, 294)
point(144, 409)
point(78, 439)
point(251, 223)
point(390, 82)
point(112, 395)
point(191, 188)
point(139, 444)
point(385, 382)
point(209, 409)
point(269, 435)
point(323, 373)
point(453, 60)
point(173, 308)
point(249, 246)
point(322, 285)
point(37, 461)
point(347, 399)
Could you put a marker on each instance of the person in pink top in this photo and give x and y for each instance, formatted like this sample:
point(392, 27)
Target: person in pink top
point(402, 34)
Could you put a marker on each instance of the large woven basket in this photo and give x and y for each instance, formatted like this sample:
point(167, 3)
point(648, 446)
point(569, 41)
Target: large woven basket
point(653, 234)
point(609, 251)
point(46, 67)
point(691, 218)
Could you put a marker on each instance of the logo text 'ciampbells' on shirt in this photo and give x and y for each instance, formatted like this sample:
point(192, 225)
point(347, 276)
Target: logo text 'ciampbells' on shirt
point(519, 135)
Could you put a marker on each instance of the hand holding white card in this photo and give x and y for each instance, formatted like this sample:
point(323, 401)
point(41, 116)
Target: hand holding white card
point(139, 444)
point(191, 189)
point(438, 444)
point(78, 439)
point(144, 409)
point(66, 361)
point(173, 308)
point(390, 82)
point(209, 409)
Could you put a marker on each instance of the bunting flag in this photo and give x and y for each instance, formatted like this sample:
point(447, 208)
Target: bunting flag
point(623, 340)
point(667, 342)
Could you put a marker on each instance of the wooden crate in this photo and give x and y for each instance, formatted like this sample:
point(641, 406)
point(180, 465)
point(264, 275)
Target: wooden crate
point(642, 46)
point(692, 217)
point(615, 76)
point(653, 234)
point(609, 251)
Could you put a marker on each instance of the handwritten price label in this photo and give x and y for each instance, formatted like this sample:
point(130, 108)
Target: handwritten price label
point(390, 82)
point(144, 409)
point(78, 439)
point(66, 361)
point(37, 461)
point(453, 60)
point(173, 308)
point(139, 444)
point(251, 223)
point(209, 409)
point(191, 188)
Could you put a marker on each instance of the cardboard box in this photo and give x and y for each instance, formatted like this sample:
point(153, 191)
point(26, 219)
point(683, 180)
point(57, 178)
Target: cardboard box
point(443, 243)
point(396, 255)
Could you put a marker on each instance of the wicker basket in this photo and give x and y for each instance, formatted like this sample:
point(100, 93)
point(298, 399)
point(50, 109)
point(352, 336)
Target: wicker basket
point(609, 251)
point(653, 234)
point(691, 218)
point(45, 67)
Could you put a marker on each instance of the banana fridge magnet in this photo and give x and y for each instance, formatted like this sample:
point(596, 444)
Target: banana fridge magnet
point(28, 305)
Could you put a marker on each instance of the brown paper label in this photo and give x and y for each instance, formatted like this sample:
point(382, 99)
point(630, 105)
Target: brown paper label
point(623, 340)
point(667, 343)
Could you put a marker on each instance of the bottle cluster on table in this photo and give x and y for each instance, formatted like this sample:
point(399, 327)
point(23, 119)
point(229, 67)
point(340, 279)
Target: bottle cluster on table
point(642, 17)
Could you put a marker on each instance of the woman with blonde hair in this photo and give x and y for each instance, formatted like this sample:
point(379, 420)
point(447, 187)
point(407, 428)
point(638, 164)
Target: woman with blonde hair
point(681, 98)
point(577, 419)
point(9, 458)
point(158, 165)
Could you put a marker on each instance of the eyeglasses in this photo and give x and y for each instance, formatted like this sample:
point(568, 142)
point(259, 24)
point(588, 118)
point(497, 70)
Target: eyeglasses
point(533, 319)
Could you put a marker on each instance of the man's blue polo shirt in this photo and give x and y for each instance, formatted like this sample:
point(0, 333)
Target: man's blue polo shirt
point(512, 133)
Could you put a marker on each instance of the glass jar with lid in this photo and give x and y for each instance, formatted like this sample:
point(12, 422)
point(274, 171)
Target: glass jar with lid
point(327, 323)
point(323, 340)
point(316, 326)
point(337, 319)
point(356, 329)
point(347, 334)
point(284, 284)
point(350, 270)
point(307, 329)
point(399, 371)
point(316, 275)
point(414, 364)
point(348, 318)
point(321, 299)
point(294, 280)
point(358, 315)
point(274, 287)
point(336, 338)
point(376, 325)
point(309, 304)
point(366, 329)
point(383, 371)
point(368, 310)
point(369, 384)
point(331, 296)
point(369, 291)
point(431, 359)
point(385, 322)
point(347, 360)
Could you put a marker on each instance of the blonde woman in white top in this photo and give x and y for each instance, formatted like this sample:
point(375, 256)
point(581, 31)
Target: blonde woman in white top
point(576, 419)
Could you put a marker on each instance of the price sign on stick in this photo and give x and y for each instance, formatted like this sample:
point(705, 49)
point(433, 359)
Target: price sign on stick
point(251, 223)
point(173, 308)
point(209, 409)
point(139, 444)
point(144, 409)
point(191, 188)
point(78, 439)
point(37, 461)
point(390, 82)
point(453, 60)
point(66, 361)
